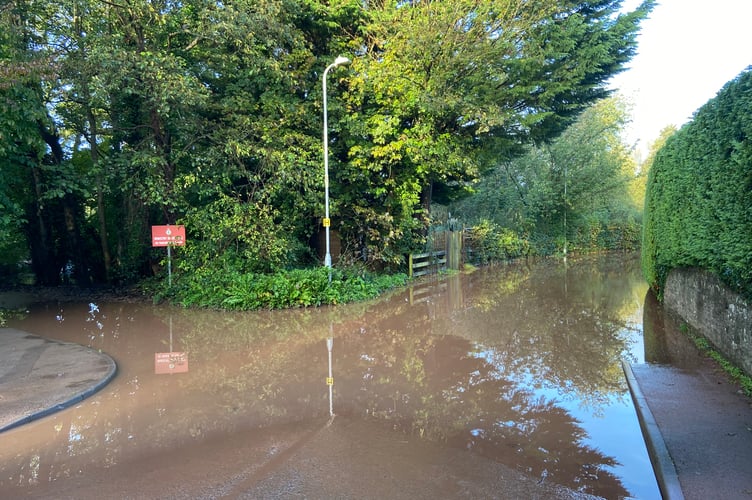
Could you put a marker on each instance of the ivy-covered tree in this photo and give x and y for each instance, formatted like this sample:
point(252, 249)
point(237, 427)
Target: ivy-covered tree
point(42, 180)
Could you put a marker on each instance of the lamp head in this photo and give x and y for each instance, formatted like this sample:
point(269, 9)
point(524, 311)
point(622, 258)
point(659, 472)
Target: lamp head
point(340, 61)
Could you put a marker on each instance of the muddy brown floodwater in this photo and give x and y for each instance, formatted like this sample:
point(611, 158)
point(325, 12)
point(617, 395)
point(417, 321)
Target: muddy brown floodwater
point(502, 383)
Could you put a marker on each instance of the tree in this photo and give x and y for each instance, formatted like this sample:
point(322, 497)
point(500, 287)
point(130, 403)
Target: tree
point(444, 90)
point(255, 196)
point(19, 143)
point(45, 183)
point(640, 185)
point(153, 102)
point(575, 189)
point(125, 114)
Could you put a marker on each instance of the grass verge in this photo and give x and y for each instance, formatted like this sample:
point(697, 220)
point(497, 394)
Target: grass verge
point(733, 371)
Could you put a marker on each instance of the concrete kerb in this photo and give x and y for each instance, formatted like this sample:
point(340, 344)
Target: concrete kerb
point(663, 464)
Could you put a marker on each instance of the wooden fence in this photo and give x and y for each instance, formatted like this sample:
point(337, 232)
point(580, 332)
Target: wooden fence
point(444, 251)
point(420, 264)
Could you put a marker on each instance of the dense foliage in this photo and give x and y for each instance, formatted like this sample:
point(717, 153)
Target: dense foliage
point(580, 192)
point(117, 116)
point(490, 242)
point(280, 290)
point(449, 90)
point(698, 206)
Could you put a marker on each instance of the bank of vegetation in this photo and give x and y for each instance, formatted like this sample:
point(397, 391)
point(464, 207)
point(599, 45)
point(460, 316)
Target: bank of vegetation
point(283, 289)
point(581, 192)
point(118, 116)
point(698, 207)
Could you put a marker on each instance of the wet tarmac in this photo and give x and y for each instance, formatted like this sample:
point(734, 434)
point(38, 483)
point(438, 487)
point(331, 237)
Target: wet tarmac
point(705, 454)
point(503, 384)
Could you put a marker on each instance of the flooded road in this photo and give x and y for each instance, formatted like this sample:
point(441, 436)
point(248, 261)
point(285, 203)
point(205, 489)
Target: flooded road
point(502, 383)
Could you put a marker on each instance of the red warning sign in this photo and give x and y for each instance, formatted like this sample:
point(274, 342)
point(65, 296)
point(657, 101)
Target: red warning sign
point(170, 362)
point(162, 236)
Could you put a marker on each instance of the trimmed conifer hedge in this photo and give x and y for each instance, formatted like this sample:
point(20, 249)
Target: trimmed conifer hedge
point(698, 204)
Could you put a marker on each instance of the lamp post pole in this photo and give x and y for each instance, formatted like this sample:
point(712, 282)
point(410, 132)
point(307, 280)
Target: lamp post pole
point(328, 257)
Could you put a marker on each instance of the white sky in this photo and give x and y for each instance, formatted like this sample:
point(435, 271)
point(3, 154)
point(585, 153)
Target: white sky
point(688, 50)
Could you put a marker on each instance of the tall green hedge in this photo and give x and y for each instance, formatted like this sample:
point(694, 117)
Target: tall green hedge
point(698, 204)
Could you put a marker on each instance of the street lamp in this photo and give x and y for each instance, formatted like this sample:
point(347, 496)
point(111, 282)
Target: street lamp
point(340, 61)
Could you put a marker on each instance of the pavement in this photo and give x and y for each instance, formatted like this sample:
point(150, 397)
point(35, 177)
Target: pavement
point(39, 376)
point(697, 424)
point(698, 429)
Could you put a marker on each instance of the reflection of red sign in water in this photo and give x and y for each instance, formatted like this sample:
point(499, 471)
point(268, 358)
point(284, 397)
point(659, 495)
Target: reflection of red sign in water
point(162, 236)
point(170, 362)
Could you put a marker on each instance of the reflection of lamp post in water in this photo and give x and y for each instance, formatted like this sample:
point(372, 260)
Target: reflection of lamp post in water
point(330, 379)
point(565, 213)
point(328, 258)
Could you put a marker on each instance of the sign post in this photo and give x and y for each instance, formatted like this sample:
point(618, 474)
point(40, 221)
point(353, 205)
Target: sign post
point(168, 236)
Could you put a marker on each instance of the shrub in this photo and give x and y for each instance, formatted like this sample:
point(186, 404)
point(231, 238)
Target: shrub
point(490, 242)
point(283, 289)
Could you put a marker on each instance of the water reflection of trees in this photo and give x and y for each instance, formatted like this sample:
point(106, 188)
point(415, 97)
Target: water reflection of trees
point(450, 371)
point(564, 329)
point(435, 387)
point(429, 385)
point(460, 366)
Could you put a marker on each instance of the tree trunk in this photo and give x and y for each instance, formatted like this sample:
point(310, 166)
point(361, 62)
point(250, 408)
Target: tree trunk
point(43, 260)
point(101, 214)
point(73, 249)
point(73, 245)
